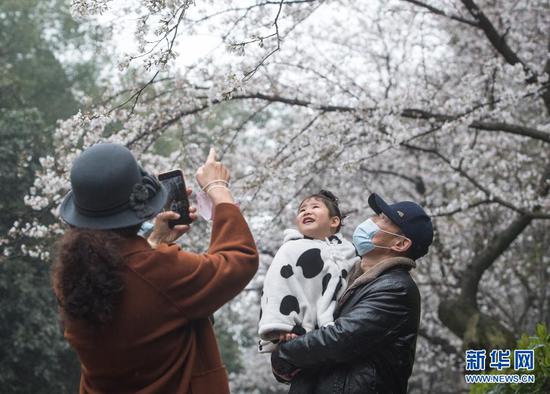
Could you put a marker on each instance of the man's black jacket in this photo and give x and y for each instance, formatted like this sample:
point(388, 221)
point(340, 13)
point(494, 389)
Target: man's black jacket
point(371, 346)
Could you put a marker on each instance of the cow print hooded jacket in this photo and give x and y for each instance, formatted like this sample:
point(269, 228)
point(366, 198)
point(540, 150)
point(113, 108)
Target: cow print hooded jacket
point(303, 283)
point(371, 346)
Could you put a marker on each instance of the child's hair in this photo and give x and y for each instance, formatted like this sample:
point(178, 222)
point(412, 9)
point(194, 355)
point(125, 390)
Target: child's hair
point(331, 202)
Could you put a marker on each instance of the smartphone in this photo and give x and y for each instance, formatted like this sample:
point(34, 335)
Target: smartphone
point(177, 196)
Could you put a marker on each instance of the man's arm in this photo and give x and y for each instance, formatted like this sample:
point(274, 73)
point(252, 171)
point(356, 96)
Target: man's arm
point(372, 323)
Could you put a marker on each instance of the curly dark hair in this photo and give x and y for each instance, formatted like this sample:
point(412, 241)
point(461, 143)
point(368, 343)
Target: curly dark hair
point(331, 202)
point(86, 274)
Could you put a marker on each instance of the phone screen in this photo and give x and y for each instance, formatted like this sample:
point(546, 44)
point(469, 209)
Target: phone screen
point(177, 196)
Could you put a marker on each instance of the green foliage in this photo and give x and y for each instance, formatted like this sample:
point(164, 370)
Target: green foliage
point(31, 75)
point(541, 345)
point(36, 89)
point(23, 140)
point(33, 354)
point(229, 349)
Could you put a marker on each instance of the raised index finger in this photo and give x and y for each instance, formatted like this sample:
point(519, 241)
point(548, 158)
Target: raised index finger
point(211, 156)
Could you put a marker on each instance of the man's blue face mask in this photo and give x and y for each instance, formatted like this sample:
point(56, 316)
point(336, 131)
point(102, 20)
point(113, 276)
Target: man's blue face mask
point(363, 235)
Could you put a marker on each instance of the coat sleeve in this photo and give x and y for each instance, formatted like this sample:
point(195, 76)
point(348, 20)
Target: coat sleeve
point(275, 287)
point(199, 284)
point(370, 324)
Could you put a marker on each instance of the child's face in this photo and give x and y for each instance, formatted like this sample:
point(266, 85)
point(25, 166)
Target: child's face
point(314, 219)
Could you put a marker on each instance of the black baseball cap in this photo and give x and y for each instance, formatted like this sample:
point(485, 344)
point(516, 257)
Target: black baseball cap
point(411, 219)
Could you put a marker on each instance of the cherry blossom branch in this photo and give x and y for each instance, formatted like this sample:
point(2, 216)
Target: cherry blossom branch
point(240, 127)
point(484, 259)
point(294, 102)
point(249, 74)
point(322, 76)
point(167, 123)
point(119, 93)
point(294, 137)
point(247, 9)
point(461, 314)
point(326, 163)
point(136, 95)
point(497, 40)
point(174, 31)
point(475, 183)
point(437, 11)
point(468, 207)
point(512, 129)
point(526, 131)
point(416, 181)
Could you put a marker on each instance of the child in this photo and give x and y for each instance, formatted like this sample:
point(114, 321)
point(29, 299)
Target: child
point(308, 273)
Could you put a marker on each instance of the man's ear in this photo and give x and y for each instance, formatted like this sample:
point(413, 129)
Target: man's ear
point(402, 245)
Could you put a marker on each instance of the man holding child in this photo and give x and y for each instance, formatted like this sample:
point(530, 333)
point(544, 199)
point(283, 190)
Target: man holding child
point(370, 348)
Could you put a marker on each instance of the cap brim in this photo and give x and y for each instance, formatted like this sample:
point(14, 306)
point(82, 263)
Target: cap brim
point(126, 218)
point(378, 205)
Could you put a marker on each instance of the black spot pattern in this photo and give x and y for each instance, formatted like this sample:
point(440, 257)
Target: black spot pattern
point(289, 304)
point(335, 238)
point(260, 313)
point(286, 271)
point(311, 262)
point(298, 330)
point(326, 279)
point(344, 274)
point(338, 287)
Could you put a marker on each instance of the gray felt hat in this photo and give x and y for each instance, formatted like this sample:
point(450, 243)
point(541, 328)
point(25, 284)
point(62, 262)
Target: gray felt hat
point(110, 190)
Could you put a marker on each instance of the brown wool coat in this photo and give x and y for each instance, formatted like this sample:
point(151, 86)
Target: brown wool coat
point(161, 340)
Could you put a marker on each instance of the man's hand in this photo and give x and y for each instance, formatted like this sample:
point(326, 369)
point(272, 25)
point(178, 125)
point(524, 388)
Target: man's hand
point(162, 233)
point(283, 369)
point(287, 336)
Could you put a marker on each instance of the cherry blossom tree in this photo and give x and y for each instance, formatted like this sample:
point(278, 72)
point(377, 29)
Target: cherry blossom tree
point(442, 102)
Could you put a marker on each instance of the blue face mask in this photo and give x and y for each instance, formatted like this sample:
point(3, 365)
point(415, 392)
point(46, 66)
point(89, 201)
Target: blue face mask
point(363, 235)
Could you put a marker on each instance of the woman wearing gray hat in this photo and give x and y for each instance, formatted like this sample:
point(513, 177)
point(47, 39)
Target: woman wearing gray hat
point(135, 310)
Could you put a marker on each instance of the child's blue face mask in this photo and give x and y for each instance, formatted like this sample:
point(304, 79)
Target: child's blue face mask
point(363, 235)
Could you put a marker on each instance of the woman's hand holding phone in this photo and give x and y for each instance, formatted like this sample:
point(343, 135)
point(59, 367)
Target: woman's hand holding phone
point(162, 233)
point(207, 174)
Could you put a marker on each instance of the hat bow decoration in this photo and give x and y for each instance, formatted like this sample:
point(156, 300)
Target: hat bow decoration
point(143, 192)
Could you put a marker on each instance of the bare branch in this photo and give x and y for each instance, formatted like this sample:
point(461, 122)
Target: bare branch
point(445, 345)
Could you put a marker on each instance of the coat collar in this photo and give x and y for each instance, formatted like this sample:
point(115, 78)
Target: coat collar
point(357, 278)
point(128, 246)
point(384, 265)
